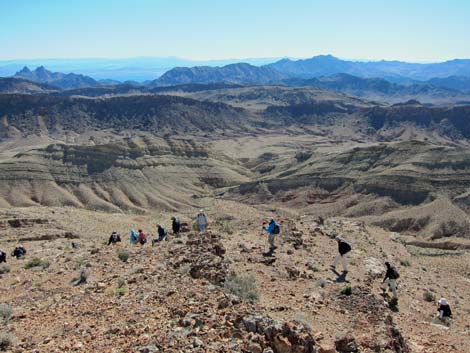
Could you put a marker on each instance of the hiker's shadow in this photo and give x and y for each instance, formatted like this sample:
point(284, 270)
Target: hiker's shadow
point(340, 277)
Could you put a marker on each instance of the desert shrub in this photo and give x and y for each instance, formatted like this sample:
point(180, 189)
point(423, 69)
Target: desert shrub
point(7, 340)
point(243, 286)
point(120, 289)
point(123, 255)
point(6, 312)
point(303, 319)
point(302, 156)
point(322, 283)
point(227, 227)
point(37, 262)
point(429, 296)
point(4, 269)
point(346, 290)
point(405, 263)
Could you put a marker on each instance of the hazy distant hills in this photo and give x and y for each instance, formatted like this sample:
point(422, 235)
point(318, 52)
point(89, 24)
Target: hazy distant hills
point(19, 85)
point(235, 73)
point(324, 65)
point(58, 79)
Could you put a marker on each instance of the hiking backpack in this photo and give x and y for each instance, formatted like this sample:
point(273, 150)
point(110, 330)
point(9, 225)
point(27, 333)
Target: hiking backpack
point(394, 273)
point(276, 229)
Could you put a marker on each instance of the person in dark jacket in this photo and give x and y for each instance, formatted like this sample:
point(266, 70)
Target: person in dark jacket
point(175, 225)
point(162, 233)
point(390, 280)
point(114, 238)
point(3, 256)
point(19, 252)
point(343, 249)
point(445, 313)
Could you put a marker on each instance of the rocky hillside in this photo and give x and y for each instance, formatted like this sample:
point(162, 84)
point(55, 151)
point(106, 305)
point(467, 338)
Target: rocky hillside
point(216, 292)
point(155, 113)
point(137, 176)
point(375, 182)
point(10, 85)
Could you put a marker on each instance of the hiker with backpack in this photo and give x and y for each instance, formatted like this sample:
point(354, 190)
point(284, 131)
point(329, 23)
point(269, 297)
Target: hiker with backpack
point(175, 225)
point(19, 252)
point(201, 221)
point(390, 280)
point(134, 237)
point(142, 238)
point(343, 249)
point(3, 256)
point(162, 233)
point(445, 313)
point(114, 238)
point(273, 229)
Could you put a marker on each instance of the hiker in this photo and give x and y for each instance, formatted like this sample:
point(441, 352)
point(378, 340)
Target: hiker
point(19, 252)
point(134, 236)
point(142, 239)
point(114, 238)
point(390, 280)
point(201, 221)
point(343, 248)
point(445, 314)
point(175, 225)
point(162, 233)
point(272, 229)
point(3, 256)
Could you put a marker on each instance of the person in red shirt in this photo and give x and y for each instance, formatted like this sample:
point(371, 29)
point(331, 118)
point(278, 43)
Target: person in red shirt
point(142, 239)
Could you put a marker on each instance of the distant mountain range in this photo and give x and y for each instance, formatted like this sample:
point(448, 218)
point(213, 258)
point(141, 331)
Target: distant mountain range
point(373, 80)
point(241, 73)
point(58, 79)
point(325, 65)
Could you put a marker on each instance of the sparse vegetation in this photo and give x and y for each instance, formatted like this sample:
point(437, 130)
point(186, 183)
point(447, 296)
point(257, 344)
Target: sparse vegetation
point(123, 255)
point(243, 286)
point(322, 283)
point(227, 227)
point(6, 312)
point(37, 262)
point(429, 296)
point(4, 269)
point(120, 289)
point(303, 319)
point(405, 263)
point(346, 290)
point(7, 340)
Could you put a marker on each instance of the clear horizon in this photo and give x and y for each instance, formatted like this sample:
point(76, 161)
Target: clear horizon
point(205, 30)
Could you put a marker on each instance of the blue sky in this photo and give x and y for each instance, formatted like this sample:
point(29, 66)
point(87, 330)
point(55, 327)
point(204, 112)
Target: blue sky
point(412, 30)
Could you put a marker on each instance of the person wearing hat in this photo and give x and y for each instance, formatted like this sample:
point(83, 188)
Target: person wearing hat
point(201, 221)
point(444, 309)
point(343, 249)
point(390, 280)
point(114, 238)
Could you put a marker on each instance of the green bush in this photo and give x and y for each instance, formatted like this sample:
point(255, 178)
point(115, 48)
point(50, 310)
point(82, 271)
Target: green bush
point(405, 263)
point(429, 296)
point(37, 262)
point(4, 269)
point(6, 312)
point(243, 286)
point(7, 340)
point(346, 290)
point(120, 290)
point(123, 255)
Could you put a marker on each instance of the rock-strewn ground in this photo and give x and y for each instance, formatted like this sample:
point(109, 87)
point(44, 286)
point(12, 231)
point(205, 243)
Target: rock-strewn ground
point(170, 297)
